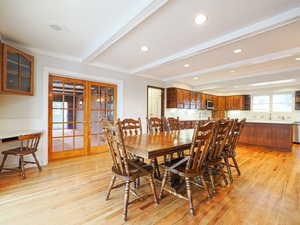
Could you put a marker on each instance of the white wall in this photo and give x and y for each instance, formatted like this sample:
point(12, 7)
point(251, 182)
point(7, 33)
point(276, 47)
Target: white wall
point(31, 112)
point(189, 114)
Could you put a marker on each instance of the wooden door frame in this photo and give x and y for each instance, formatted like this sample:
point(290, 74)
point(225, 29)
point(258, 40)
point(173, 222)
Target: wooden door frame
point(162, 100)
point(88, 133)
point(50, 118)
point(86, 109)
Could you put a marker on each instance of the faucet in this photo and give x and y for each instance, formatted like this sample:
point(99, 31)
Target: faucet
point(270, 116)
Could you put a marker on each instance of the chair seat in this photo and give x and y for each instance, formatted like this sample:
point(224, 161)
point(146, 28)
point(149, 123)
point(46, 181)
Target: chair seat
point(136, 172)
point(19, 151)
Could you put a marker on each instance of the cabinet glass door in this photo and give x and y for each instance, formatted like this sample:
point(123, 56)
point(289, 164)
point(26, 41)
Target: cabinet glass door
point(18, 71)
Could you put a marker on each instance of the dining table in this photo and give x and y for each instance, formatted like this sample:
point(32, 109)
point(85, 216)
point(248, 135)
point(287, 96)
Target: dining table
point(153, 145)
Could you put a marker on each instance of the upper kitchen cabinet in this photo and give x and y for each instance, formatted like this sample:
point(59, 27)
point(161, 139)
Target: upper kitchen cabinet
point(183, 99)
point(175, 98)
point(238, 102)
point(195, 100)
point(17, 75)
point(220, 103)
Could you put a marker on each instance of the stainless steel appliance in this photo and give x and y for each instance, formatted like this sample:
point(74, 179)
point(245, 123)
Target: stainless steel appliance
point(296, 132)
point(209, 105)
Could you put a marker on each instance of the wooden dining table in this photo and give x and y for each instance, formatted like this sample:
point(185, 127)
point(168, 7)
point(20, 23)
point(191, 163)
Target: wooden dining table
point(151, 146)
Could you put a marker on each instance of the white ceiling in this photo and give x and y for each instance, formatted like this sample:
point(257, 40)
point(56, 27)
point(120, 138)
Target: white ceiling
point(84, 23)
point(110, 34)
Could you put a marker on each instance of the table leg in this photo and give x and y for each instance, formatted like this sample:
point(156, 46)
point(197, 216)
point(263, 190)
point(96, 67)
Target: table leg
point(155, 166)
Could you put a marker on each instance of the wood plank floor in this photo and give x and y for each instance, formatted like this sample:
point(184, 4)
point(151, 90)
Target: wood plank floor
point(73, 191)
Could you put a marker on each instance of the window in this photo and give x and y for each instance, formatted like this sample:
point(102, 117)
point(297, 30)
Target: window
point(282, 102)
point(261, 103)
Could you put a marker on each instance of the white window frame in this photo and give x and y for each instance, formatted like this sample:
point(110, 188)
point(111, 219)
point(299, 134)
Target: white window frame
point(252, 103)
point(271, 102)
point(283, 93)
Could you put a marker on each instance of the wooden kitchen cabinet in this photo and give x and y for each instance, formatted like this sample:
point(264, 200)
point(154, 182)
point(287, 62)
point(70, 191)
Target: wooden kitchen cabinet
point(195, 100)
point(203, 101)
point(178, 98)
point(17, 73)
point(238, 102)
point(183, 99)
point(220, 103)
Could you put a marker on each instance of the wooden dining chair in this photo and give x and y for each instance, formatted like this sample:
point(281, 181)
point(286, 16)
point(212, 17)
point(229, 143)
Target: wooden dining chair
point(131, 126)
point(192, 166)
point(29, 146)
point(155, 125)
point(229, 151)
point(129, 170)
point(173, 123)
point(215, 157)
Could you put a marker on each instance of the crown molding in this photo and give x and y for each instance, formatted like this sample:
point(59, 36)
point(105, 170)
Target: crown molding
point(124, 29)
point(110, 67)
point(245, 76)
point(256, 60)
point(147, 76)
point(42, 52)
point(246, 32)
point(53, 54)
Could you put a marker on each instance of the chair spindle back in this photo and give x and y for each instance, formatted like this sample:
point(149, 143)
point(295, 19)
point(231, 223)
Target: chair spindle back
point(155, 125)
point(131, 127)
point(30, 141)
point(173, 123)
point(236, 133)
point(115, 140)
point(220, 138)
point(202, 138)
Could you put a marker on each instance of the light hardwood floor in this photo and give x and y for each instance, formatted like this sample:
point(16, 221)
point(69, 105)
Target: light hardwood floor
point(73, 192)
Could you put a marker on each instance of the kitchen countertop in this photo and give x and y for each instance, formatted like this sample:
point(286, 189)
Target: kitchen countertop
point(271, 121)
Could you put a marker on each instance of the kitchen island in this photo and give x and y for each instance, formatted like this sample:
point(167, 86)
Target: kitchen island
point(276, 135)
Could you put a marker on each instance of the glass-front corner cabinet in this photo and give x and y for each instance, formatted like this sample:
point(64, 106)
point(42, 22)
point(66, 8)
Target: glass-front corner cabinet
point(17, 73)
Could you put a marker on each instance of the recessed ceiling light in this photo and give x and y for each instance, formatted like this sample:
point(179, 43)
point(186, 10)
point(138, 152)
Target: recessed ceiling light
point(273, 82)
point(144, 48)
point(55, 27)
point(232, 71)
point(196, 78)
point(298, 59)
point(236, 51)
point(186, 65)
point(200, 19)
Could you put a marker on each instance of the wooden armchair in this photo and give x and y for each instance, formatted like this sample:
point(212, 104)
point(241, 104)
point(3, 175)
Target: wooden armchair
point(215, 156)
point(131, 126)
point(129, 170)
point(229, 151)
point(29, 146)
point(173, 123)
point(192, 166)
point(155, 125)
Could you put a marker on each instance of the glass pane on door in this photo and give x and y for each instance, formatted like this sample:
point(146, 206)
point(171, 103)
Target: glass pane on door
point(66, 117)
point(102, 106)
point(76, 108)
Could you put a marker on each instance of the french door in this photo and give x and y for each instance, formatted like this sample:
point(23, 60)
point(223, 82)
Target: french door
point(75, 108)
